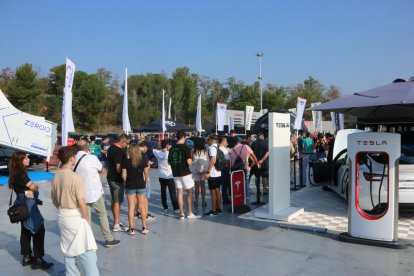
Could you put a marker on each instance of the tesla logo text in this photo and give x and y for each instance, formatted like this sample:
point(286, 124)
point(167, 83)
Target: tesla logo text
point(372, 143)
point(37, 126)
point(282, 125)
point(237, 185)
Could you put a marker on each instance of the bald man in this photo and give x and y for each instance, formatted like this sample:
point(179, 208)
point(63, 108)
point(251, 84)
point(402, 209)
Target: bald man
point(89, 168)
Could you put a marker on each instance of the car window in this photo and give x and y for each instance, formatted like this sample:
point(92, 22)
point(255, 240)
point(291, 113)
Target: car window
point(407, 148)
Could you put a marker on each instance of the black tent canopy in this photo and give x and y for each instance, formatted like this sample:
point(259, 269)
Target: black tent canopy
point(171, 126)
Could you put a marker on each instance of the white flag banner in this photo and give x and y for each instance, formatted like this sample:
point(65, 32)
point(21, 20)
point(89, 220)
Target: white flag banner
point(249, 114)
point(337, 121)
point(231, 123)
point(169, 110)
point(300, 107)
point(164, 128)
point(293, 110)
point(198, 116)
point(126, 126)
point(317, 118)
point(67, 118)
point(221, 116)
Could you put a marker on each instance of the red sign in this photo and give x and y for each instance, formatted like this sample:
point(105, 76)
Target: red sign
point(71, 142)
point(237, 188)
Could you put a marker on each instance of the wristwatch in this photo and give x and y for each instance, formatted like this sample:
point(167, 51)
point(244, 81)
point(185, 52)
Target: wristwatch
point(207, 172)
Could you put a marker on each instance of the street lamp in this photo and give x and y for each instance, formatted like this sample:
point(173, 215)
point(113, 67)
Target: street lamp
point(260, 78)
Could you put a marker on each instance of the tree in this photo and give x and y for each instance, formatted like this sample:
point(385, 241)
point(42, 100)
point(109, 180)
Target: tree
point(332, 93)
point(6, 75)
point(23, 90)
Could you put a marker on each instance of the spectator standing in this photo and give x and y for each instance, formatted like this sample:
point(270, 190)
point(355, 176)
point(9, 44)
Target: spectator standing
point(104, 147)
point(320, 147)
point(116, 155)
point(77, 240)
point(94, 149)
point(260, 148)
point(165, 176)
point(306, 154)
point(199, 167)
point(135, 175)
point(144, 149)
point(180, 160)
point(33, 228)
point(89, 168)
point(225, 173)
point(244, 152)
point(214, 177)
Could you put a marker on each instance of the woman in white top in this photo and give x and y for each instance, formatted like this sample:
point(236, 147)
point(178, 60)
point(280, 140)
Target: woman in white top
point(198, 169)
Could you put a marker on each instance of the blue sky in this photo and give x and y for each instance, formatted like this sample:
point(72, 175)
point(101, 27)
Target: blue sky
point(352, 44)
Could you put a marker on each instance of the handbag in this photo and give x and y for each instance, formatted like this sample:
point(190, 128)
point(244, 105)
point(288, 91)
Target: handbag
point(17, 213)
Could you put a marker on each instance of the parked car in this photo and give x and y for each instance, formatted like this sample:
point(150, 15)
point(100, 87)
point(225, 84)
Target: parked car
point(372, 172)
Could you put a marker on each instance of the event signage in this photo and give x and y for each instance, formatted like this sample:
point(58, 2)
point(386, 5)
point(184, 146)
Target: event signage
point(221, 116)
point(249, 114)
point(126, 126)
point(300, 108)
point(317, 117)
point(67, 119)
point(237, 189)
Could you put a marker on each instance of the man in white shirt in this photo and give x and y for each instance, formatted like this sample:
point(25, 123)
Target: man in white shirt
point(165, 176)
point(89, 168)
point(214, 177)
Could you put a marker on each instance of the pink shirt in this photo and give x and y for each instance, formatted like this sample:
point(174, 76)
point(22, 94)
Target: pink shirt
point(242, 152)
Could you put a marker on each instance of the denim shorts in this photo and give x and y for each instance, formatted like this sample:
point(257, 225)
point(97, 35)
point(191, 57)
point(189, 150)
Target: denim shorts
point(136, 191)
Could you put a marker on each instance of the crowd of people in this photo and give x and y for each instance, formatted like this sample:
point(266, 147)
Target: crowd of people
point(77, 189)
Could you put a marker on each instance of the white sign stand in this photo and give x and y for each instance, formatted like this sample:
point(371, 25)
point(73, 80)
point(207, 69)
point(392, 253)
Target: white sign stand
point(279, 171)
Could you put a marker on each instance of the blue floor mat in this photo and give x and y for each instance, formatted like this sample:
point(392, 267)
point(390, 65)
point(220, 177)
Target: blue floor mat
point(33, 175)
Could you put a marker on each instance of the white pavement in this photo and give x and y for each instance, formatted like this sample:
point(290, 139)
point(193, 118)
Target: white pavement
point(223, 245)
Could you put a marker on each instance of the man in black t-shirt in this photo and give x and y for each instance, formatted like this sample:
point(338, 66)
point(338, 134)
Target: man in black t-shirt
point(260, 148)
point(180, 160)
point(116, 155)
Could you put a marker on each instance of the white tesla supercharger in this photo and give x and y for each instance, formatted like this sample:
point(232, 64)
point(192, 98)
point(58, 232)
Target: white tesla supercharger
point(373, 205)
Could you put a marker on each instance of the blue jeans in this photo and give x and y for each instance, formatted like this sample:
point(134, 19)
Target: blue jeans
point(83, 264)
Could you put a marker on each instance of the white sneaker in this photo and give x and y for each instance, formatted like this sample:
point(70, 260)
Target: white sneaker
point(192, 216)
point(119, 228)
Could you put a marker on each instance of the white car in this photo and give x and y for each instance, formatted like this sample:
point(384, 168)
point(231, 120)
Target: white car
point(372, 173)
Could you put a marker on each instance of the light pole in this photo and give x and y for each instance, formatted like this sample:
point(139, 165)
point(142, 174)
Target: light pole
point(260, 78)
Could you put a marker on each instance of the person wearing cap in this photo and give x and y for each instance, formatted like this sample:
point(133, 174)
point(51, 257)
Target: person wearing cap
point(180, 160)
point(214, 177)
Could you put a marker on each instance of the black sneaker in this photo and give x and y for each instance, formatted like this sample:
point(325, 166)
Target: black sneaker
point(111, 243)
point(40, 263)
point(211, 213)
point(219, 212)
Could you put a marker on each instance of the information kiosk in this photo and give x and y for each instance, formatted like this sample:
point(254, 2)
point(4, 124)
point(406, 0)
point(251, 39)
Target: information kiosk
point(373, 189)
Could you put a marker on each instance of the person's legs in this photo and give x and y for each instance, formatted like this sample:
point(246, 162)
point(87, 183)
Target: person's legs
point(39, 242)
point(189, 200)
point(218, 196)
point(197, 188)
point(257, 176)
point(25, 238)
point(86, 263)
point(100, 210)
point(132, 198)
point(70, 266)
point(180, 200)
point(117, 193)
point(143, 205)
point(173, 193)
point(163, 184)
point(265, 183)
point(203, 192)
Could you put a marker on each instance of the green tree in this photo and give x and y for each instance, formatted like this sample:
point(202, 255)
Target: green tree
point(23, 90)
point(6, 75)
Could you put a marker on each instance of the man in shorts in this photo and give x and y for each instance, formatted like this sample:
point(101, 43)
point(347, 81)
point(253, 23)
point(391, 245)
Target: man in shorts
point(214, 177)
point(180, 160)
point(260, 148)
point(116, 155)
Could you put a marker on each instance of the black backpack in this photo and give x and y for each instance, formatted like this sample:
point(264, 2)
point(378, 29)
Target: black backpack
point(238, 163)
point(220, 163)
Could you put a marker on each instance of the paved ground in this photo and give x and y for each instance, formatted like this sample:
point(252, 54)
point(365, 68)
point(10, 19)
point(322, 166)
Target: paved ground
point(224, 245)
